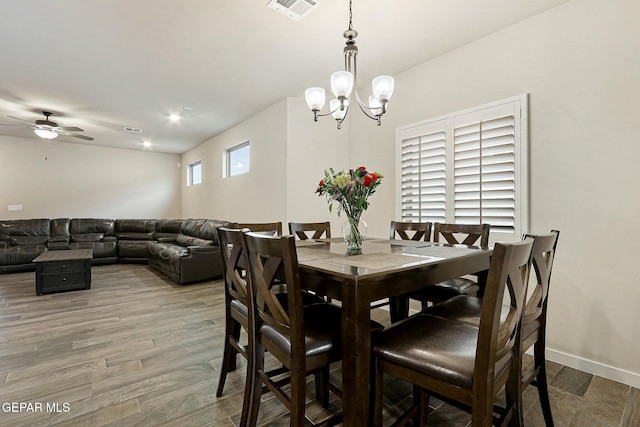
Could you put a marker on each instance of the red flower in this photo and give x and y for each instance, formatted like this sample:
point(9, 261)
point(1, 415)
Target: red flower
point(368, 179)
point(374, 176)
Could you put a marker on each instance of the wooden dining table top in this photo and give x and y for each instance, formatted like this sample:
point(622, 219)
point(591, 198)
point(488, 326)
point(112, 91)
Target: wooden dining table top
point(386, 268)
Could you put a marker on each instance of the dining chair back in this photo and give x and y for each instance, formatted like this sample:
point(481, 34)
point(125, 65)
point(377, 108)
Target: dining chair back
point(305, 339)
point(320, 230)
point(410, 230)
point(462, 234)
point(268, 228)
point(534, 321)
point(455, 234)
point(460, 363)
point(236, 297)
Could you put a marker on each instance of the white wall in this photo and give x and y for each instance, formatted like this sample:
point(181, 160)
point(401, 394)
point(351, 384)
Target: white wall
point(312, 148)
point(289, 153)
point(579, 62)
point(57, 179)
point(256, 196)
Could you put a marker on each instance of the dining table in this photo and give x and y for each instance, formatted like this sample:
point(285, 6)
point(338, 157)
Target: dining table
point(384, 269)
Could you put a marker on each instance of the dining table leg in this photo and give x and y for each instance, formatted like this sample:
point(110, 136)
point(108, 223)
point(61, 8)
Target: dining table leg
point(398, 308)
point(356, 356)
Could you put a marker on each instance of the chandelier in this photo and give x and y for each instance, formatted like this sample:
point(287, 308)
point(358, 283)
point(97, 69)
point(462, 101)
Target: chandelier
point(344, 82)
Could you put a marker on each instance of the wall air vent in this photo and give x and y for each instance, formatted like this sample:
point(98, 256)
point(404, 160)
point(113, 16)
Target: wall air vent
point(294, 9)
point(131, 130)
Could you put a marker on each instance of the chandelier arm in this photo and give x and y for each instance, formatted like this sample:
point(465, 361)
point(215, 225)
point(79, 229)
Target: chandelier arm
point(351, 64)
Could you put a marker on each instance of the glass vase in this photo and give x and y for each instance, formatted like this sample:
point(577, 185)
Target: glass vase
point(354, 232)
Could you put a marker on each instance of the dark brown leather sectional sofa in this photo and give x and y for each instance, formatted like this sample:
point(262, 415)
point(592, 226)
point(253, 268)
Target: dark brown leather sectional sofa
point(185, 250)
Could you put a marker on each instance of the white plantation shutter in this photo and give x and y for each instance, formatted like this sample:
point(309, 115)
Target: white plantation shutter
point(423, 170)
point(468, 168)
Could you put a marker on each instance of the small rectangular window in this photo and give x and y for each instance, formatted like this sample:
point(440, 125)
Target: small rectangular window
point(237, 159)
point(195, 173)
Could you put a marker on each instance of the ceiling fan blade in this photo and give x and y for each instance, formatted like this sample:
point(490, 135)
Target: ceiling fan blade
point(22, 120)
point(86, 138)
point(71, 129)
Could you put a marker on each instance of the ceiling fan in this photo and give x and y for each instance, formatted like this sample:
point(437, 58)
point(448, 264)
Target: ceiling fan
point(49, 130)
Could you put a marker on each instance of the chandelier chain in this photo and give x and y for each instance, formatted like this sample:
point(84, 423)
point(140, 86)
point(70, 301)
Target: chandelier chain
point(350, 16)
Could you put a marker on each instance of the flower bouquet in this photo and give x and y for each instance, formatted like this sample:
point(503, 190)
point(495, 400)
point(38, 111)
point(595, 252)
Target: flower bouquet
point(350, 190)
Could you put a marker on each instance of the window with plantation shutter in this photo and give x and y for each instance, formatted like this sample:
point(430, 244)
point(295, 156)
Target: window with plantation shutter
point(468, 167)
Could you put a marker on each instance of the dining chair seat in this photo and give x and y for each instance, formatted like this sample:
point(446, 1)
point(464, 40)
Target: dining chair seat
point(321, 333)
point(435, 347)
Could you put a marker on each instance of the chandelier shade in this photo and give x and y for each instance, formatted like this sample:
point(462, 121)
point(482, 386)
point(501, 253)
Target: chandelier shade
point(315, 98)
point(343, 83)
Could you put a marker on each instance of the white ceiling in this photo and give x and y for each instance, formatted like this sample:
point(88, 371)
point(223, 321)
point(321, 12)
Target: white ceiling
point(105, 64)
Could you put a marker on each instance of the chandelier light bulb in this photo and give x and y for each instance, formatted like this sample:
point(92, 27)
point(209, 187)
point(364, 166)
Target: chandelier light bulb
point(342, 83)
point(315, 98)
point(383, 87)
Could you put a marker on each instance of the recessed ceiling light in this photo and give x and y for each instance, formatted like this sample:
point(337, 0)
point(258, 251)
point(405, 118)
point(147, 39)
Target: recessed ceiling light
point(174, 117)
point(146, 144)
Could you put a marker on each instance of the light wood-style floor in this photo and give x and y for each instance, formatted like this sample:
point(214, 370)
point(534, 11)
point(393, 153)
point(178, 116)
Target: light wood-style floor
point(138, 350)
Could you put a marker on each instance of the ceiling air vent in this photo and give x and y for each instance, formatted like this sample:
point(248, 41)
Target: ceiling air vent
point(294, 9)
point(132, 130)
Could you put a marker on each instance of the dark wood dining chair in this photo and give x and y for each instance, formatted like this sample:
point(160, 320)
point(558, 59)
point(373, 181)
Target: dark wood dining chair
point(410, 230)
point(268, 228)
point(534, 320)
point(305, 339)
point(457, 362)
point(236, 297)
point(302, 230)
point(457, 234)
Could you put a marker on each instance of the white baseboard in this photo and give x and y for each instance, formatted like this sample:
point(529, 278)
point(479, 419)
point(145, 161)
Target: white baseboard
point(596, 368)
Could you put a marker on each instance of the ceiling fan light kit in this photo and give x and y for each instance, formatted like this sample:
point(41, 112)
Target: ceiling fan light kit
point(45, 133)
point(344, 82)
point(49, 130)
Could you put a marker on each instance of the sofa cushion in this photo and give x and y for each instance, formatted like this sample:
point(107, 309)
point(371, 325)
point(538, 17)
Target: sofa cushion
point(191, 227)
point(142, 226)
point(87, 237)
point(126, 235)
point(17, 255)
point(24, 227)
point(28, 240)
point(60, 227)
point(169, 226)
point(91, 225)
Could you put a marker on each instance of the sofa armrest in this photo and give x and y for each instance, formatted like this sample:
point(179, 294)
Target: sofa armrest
point(201, 249)
point(109, 239)
point(166, 239)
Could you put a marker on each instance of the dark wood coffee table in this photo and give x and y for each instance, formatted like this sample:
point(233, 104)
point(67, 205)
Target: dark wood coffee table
point(63, 270)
